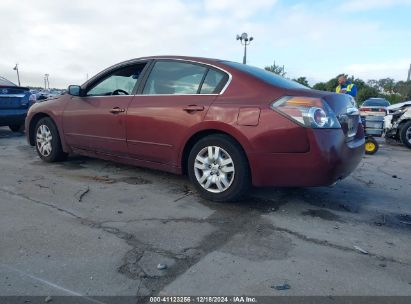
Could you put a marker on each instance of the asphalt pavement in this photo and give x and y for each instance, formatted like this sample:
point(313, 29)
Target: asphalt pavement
point(96, 228)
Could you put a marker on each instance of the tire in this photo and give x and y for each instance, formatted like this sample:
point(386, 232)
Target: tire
point(47, 141)
point(371, 146)
point(222, 178)
point(16, 128)
point(405, 134)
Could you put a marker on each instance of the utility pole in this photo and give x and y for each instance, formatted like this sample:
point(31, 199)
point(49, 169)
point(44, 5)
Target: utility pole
point(16, 68)
point(409, 74)
point(245, 40)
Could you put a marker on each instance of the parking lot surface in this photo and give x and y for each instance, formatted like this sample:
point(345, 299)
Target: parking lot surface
point(92, 227)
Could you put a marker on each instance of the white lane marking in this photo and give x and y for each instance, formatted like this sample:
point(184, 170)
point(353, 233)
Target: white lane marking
point(70, 292)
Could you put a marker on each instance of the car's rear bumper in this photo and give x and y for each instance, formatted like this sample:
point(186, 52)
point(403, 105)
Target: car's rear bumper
point(12, 116)
point(329, 159)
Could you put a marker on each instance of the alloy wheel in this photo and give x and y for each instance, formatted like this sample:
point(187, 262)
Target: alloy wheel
point(214, 169)
point(408, 135)
point(43, 140)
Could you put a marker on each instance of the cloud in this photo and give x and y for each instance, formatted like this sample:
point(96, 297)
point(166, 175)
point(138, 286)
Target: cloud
point(397, 69)
point(70, 39)
point(48, 36)
point(365, 5)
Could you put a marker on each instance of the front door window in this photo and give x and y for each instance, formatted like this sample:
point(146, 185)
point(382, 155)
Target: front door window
point(121, 82)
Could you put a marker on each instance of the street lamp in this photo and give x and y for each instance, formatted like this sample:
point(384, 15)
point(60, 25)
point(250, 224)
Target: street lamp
point(16, 68)
point(245, 40)
point(46, 81)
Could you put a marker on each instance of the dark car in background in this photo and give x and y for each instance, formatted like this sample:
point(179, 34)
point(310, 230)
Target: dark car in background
point(226, 125)
point(15, 101)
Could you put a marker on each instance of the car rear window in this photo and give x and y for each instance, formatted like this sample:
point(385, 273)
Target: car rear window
point(5, 82)
point(376, 103)
point(265, 76)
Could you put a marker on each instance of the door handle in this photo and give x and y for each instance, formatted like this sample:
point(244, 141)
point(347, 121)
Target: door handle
point(117, 110)
point(193, 108)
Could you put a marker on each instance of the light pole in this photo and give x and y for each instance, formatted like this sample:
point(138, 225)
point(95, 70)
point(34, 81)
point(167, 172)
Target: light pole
point(16, 68)
point(245, 40)
point(46, 81)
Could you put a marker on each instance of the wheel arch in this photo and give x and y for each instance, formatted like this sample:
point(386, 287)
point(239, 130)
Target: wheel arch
point(32, 125)
point(189, 144)
point(33, 122)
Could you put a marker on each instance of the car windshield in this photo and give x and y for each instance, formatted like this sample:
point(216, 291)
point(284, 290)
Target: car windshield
point(5, 82)
point(376, 102)
point(266, 76)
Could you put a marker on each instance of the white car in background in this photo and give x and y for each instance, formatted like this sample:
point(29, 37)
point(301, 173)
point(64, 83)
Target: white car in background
point(374, 107)
point(397, 123)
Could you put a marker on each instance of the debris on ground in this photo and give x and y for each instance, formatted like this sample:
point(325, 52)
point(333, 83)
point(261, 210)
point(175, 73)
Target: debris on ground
point(285, 286)
point(381, 223)
point(80, 194)
point(48, 299)
point(360, 250)
point(161, 266)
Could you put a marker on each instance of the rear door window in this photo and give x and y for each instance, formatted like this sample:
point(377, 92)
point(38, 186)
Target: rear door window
point(213, 82)
point(176, 78)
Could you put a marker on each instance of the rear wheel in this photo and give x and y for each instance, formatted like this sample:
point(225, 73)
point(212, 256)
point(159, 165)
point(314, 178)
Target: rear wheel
point(405, 134)
point(371, 146)
point(16, 128)
point(47, 141)
point(218, 168)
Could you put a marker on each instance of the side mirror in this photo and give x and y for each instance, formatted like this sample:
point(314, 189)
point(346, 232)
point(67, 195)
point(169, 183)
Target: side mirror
point(74, 90)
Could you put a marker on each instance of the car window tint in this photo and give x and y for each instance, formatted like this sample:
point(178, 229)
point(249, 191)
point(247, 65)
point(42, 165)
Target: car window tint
point(212, 82)
point(376, 103)
point(121, 82)
point(170, 77)
point(265, 76)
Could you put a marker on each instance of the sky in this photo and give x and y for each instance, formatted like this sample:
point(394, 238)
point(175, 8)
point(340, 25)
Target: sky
point(69, 40)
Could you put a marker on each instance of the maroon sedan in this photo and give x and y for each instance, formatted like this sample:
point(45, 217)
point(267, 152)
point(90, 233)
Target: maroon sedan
point(224, 124)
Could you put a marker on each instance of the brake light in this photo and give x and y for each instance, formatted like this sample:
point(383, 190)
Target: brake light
point(32, 99)
point(307, 111)
point(365, 109)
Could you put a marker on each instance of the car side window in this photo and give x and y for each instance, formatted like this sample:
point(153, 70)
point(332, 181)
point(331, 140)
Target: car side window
point(212, 83)
point(171, 77)
point(120, 82)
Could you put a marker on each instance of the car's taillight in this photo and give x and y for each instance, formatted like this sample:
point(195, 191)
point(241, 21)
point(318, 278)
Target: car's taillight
point(32, 99)
point(365, 109)
point(308, 111)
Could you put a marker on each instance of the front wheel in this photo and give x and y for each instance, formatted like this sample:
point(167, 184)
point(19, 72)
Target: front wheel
point(218, 168)
point(48, 143)
point(405, 134)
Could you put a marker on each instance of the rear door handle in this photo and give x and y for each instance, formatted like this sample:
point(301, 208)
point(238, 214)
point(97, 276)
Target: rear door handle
point(117, 110)
point(193, 108)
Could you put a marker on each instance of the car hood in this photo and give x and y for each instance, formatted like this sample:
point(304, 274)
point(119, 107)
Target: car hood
point(399, 105)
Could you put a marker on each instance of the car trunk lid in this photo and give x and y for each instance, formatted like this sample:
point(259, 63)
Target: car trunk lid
point(343, 106)
point(13, 97)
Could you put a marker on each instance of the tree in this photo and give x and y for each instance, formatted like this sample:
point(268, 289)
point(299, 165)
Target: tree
point(302, 80)
point(404, 89)
point(365, 93)
point(387, 85)
point(321, 86)
point(276, 69)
